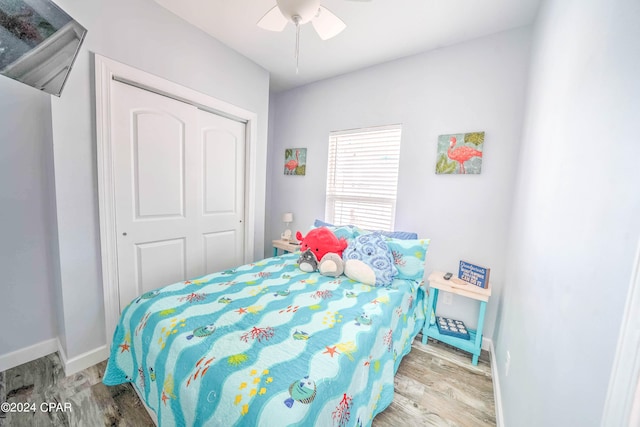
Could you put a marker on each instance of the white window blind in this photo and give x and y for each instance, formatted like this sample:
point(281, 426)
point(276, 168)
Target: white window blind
point(362, 177)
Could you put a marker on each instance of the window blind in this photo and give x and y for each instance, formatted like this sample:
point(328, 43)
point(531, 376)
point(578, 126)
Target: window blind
point(362, 177)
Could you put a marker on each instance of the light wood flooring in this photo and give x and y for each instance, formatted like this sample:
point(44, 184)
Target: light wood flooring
point(436, 385)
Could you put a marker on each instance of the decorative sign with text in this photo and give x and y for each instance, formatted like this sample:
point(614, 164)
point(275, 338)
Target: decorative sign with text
point(474, 274)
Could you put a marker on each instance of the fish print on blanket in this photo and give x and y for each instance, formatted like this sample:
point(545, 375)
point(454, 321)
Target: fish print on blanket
point(266, 341)
point(303, 391)
point(202, 331)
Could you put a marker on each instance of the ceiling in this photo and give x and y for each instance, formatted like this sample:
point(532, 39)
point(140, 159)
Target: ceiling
point(377, 31)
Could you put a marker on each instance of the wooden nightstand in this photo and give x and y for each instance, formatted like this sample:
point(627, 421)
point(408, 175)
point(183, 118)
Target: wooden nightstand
point(285, 245)
point(456, 286)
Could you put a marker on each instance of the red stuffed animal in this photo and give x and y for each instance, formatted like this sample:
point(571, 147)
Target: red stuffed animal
point(321, 241)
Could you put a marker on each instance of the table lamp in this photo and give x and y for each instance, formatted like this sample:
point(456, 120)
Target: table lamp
point(287, 218)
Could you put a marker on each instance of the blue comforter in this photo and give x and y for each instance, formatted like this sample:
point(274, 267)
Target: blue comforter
point(266, 344)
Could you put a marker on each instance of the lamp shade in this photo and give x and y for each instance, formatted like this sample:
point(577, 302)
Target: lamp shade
point(287, 217)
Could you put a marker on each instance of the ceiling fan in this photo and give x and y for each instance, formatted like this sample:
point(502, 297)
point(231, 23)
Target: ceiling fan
point(300, 12)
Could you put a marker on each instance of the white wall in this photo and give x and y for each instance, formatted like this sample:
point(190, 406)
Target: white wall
point(475, 86)
point(27, 220)
point(142, 34)
point(576, 214)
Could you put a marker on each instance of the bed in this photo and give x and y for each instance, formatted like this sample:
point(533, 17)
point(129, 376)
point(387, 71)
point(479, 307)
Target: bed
point(266, 344)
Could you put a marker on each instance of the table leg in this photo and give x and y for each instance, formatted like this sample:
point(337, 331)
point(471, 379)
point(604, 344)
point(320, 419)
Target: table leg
point(431, 307)
point(275, 251)
point(478, 343)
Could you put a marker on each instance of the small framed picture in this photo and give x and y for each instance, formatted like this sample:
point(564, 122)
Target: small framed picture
point(295, 161)
point(460, 153)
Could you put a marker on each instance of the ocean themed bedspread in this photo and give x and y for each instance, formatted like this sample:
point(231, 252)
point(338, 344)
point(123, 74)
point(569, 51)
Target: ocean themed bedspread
point(266, 344)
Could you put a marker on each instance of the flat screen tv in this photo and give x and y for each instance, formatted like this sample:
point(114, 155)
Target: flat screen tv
point(38, 43)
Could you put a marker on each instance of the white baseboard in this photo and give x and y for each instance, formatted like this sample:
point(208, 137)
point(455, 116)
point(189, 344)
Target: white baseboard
point(82, 361)
point(27, 354)
point(486, 344)
point(497, 395)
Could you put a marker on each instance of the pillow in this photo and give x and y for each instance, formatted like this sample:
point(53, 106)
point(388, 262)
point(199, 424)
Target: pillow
point(405, 235)
point(372, 250)
point(402, 235)
point(320, 223)
point(347, 232)
point(408, 256)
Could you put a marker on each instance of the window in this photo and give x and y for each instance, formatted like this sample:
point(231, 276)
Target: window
point(362, 177)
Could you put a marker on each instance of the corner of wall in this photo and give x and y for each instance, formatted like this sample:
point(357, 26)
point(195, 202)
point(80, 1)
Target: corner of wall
point(83, 361)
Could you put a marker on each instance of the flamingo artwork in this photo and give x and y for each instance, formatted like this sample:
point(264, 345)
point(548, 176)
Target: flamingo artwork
point(294, 161)
point(292, 164)
point(461, 154)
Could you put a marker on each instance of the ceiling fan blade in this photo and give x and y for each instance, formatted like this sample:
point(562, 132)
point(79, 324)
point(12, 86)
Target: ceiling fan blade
point(327, 24)
point(273, 20)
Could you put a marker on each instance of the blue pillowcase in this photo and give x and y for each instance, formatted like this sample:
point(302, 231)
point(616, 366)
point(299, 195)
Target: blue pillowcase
point(408, 257)
point(372, 250)
point(347, 232)
point(405, 235)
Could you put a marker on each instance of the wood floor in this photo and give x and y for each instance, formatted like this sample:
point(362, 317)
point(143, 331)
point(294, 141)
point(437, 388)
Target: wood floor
point(436, 385)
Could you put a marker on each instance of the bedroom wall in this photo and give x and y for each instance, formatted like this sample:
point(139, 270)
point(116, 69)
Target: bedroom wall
point(575, 225)
point(142, 34)
point(27, 220)
point(474, 86)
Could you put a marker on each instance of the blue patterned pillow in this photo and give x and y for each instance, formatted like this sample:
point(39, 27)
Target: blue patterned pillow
point(373, 251)
point(408, 257)
point(403, 235)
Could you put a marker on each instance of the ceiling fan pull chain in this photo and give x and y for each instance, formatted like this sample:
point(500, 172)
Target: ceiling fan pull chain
point(297, 42)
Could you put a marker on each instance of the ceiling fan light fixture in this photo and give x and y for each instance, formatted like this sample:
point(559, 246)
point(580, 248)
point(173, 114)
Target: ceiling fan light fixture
point(306, 10)
point(326, 24)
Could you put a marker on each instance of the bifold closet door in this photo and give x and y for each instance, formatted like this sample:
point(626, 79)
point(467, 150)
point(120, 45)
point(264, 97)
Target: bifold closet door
point(179, 190)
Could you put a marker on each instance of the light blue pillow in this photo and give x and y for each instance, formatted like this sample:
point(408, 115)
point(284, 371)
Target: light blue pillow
point(408, 256)
point(347, 232)
point(344, 231)
point(372, 250)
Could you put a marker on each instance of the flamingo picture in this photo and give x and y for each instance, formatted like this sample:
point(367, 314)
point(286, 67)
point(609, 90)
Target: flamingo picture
point(295, 159)
point(293, 163)
point(461, 154)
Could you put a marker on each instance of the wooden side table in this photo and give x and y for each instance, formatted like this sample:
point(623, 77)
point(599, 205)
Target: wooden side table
point(437, 283)
point(285, 245)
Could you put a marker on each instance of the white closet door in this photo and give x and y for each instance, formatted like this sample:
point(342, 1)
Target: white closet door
point(223, 159)
point(172, 224)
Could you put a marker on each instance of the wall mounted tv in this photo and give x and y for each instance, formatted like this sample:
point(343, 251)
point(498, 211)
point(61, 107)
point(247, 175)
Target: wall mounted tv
point(38, 43)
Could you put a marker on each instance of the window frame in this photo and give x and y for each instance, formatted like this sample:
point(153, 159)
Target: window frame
point(379, 149)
